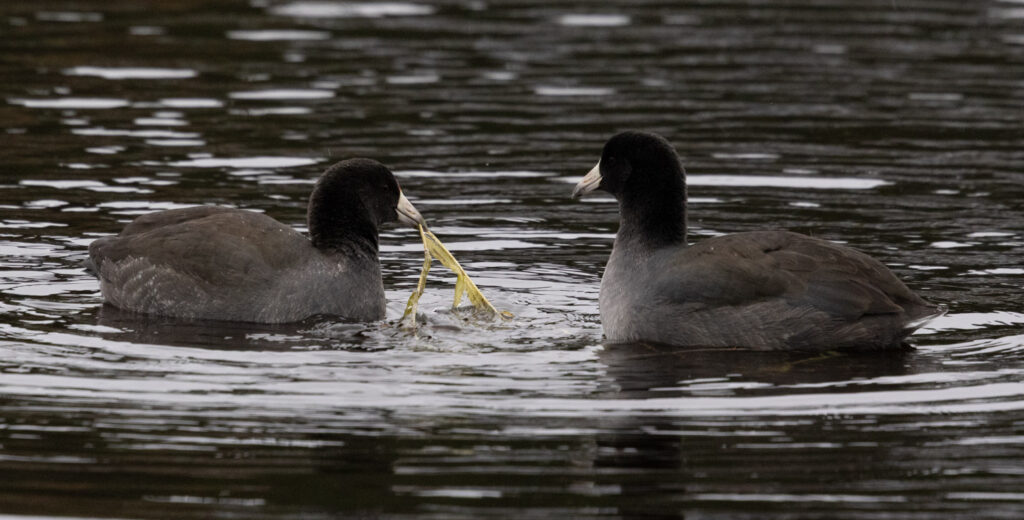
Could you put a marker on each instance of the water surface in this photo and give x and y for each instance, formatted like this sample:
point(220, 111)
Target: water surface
point(893, 127)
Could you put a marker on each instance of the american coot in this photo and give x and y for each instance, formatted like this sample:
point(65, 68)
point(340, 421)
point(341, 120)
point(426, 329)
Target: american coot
point(761, 290)
point(220, 263)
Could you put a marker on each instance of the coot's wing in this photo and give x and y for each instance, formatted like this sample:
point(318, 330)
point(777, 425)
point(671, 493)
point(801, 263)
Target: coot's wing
point(804, 272)
point(211, 247)
point(845, 282)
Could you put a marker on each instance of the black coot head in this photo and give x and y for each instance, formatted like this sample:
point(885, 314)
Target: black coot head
point(634, 162)
point(357, 196)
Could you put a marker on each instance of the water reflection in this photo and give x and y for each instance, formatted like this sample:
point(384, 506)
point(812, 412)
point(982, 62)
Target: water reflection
point(283, 94)
point(71, 103)
point(315, 9)
point(278, 35)
point(643, 370)
point(118, 325)
point(131, 72)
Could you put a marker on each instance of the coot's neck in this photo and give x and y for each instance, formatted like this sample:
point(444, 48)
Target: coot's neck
point(652, 215)
point(343, 228)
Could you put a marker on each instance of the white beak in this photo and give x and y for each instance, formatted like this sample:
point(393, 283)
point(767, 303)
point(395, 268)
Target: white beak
point(590, 182)
point(407, 214)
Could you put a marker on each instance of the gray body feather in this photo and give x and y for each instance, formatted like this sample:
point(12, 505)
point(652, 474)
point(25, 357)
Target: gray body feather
point(228, 264)
point(764, 290)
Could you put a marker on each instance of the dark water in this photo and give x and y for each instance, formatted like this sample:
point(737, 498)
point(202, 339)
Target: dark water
point(892, 126)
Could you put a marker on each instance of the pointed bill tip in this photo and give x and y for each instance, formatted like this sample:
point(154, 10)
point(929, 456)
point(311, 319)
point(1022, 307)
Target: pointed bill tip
point(591, 181)
point(407, 214)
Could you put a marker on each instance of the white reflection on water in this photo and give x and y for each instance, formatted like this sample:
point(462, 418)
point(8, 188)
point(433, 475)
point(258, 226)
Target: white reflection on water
point(131, 72)
point(540, 383)
point(176, 142)
point(773, 181)
point(67, 103)
point(125, 207)
point(689, 200)
point(972, 321)
point(191, 103)
point(69, 16)
point(501, 75)
point(315, 9)
point(278, 35)
point(151, 134)
point(997, 271)
point(467, 245)
point(594, 20)
point(48, 288)
point(471, 175)
point(460, 202)
point(928, 267)
point(159, 121)
point(24, 224)
point(935, 96)
point(573, 91)
point(65, 184)
point(412, 79)
point(146, 30)
point(987, 234)
point(461, 493)
point(751, 156)
point(45, 203)
point(980, 351)
point(272, 111)
point(951, 244)
point(283, 94)
point(794, 498)
point(26, 250)
point(105, 150)
point(245, 162)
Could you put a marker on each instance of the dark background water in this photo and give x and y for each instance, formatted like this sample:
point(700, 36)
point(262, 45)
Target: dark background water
point(892, 126)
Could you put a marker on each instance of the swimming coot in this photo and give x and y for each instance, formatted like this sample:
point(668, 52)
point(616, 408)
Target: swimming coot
point(219, 263)
point(764, 290)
